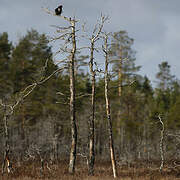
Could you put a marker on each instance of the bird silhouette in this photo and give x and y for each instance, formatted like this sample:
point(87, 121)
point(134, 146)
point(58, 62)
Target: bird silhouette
point(58, 10)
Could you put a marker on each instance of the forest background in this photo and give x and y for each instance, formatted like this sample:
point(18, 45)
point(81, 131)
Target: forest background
point(43, 117)
point(41, 123)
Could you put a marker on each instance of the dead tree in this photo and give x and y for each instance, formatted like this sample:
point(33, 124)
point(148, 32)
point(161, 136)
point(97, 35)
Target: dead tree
point(6, 160)
point(9, 110)
point(108, 111)
point(34, 152)
point(161, 144)
point(72, 102)
point(68, 34)
point(93, 39)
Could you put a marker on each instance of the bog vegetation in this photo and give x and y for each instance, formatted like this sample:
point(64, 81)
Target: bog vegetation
point(90, 106)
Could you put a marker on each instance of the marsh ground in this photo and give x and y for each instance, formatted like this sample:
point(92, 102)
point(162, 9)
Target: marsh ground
point(136, 171)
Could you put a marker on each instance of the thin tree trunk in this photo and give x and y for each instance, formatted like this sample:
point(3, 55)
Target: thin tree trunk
point(94, 38)
point(111, 144)
point(6, 144)
point(91, 120)
point(161, 145)
point(72, 103)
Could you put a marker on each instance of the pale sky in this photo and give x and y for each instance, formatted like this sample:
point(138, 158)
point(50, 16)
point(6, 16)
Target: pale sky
point(153, 24)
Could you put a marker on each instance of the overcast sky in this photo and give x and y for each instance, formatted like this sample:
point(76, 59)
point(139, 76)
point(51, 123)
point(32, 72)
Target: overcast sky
point(153, 24)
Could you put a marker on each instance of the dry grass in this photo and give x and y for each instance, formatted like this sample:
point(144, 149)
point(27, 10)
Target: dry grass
point(138, 171)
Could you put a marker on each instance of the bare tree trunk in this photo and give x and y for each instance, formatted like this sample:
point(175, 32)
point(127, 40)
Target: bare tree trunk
point(72, 103)
point(91, 119)
point(94, 38)
point(72, 36)
point(111, 144)
point(6, 160)
point(161, 144)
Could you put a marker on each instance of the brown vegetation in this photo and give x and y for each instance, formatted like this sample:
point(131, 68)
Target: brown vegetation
point(30, 170)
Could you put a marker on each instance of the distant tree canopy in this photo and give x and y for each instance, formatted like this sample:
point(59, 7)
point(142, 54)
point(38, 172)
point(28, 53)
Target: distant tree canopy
point(5, 60)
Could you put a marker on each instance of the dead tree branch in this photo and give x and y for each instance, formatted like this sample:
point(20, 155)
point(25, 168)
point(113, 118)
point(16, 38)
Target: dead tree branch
point(64, 17)
point(9, 110)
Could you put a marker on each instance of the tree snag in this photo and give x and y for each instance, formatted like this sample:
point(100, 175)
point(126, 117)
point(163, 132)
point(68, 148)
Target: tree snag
point(72, 101)
point(92, 117)
point(108, 112)
point(94, 38)
point(161, 144)
point(70, 38)
point(6, 160)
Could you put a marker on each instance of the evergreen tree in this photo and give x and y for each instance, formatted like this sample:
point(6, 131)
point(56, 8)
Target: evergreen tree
point(123, 65)
point(174, 115)
point(164, 76)
point(5, 58)
point(163, 92)
point(123, 57)
point(28, 65)
point(28, 57)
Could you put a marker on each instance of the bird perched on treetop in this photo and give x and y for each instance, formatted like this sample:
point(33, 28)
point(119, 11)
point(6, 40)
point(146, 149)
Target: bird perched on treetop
point(58, 10)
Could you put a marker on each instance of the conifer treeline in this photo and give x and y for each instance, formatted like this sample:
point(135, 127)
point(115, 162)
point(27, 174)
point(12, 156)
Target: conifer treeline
point(42, 119)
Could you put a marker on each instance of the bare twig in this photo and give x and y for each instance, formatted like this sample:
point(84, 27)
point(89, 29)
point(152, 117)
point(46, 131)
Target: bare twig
point(27, 91)
point(82, 95)
point(84, 156)
point(128, 84)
